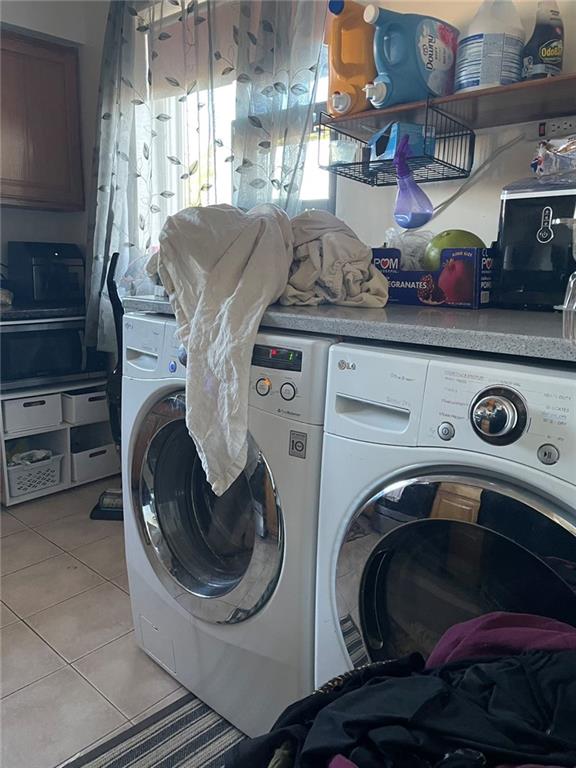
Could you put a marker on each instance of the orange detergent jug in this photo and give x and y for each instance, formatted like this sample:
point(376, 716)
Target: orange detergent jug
point(350, 43)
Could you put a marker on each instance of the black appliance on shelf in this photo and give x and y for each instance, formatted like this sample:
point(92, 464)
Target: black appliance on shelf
point(43, 333)
point(536, 244)
point(45, 352)
point(45, 275)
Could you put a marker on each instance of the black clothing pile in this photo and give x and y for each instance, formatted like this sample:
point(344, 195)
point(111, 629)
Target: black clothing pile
point(513, 710)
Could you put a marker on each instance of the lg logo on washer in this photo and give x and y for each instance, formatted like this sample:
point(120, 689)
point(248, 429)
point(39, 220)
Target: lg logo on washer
point(344, 365)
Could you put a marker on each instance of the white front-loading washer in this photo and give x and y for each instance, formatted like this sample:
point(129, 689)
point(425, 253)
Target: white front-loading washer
point(222, 588)
point(448, 491)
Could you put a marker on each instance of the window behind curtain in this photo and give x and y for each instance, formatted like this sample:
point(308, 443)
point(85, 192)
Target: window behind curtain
point(195, 116)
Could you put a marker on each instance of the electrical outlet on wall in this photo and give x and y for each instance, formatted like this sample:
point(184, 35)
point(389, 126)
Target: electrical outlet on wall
point(555, 128)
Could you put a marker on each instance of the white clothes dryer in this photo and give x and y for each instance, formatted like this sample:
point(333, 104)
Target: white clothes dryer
point(222, 588)
point(448, 491)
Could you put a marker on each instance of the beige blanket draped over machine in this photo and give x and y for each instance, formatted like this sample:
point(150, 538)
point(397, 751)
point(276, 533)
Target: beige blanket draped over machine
point(222, 268)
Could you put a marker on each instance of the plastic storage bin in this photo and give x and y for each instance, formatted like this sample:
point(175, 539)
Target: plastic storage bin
point(94, 453)
point(85, 406)
point(30, 478)
point(33, 412)
point(95, 463)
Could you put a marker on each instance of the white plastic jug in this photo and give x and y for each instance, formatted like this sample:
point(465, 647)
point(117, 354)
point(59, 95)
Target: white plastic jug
point(490, 49)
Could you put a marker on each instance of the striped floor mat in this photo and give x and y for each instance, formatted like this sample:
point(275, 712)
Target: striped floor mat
point(353, 641)
point(186, 734)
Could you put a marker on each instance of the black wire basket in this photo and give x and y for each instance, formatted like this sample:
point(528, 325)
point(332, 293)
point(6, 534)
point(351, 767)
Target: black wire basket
point(343, 147)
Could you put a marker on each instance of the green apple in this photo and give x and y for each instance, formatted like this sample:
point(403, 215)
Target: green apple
point(450, 238)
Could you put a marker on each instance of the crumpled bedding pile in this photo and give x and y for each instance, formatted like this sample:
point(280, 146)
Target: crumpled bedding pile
point(331, 265)
point(222, 268)
point(497, 691)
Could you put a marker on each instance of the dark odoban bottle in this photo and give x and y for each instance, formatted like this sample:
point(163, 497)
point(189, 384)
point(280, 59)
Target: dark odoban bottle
point(542, 55)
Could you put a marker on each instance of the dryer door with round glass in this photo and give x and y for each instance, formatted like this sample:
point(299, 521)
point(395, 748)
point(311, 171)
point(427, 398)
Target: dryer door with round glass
point(220, 557)
point(428, 552)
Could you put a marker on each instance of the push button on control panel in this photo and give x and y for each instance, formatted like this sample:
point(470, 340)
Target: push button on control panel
point(548, 454)
point(288, 391)
point(263, 386)
point(446, 431)
point(172, 366)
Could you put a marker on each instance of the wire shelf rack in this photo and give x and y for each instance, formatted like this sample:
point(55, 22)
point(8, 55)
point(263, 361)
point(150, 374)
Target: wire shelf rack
point(343, 148)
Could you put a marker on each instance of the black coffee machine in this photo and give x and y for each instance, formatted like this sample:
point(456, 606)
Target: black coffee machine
point(536, 244)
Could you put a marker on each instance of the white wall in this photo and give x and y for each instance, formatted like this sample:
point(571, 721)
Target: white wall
point(369, 211)
point(81, 23)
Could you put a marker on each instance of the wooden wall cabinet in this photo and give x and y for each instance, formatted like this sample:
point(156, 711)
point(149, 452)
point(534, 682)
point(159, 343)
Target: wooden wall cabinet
point(40, 146)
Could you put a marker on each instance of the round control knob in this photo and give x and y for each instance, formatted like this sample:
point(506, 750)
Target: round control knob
point(172, 366)
point(263, 386)
point(494, 416)
point(499, 415)
point(182, 354)
point(288, 391)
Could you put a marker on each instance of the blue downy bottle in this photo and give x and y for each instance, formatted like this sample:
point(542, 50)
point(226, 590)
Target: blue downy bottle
point(413, 206)
point(415, 57)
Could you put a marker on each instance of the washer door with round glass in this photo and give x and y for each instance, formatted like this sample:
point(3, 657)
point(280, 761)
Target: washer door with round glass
point(426, 553)
point(219, 556)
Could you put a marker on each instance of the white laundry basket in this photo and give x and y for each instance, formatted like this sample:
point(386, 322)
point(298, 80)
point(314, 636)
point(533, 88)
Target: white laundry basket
point(29, 478)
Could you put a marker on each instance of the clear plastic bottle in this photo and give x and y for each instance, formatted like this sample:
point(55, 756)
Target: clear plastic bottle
point(543, 53)
point(490, 49)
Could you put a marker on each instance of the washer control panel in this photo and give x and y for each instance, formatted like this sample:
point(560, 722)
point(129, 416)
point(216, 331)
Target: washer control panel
point(274, 384)
point(288, 376)
point(287, 390)
point(512, 411)
point(284, 368)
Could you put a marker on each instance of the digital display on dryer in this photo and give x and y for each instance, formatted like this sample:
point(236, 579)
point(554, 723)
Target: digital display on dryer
point(277, 357)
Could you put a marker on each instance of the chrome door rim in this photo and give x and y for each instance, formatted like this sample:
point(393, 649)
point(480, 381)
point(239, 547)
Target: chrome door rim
point(531, 498)
point(261, 576)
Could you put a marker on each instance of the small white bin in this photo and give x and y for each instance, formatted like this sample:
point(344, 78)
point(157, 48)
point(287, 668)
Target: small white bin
point(29, 478)
point(95, 463)
point(85, 406)
point(32, 412)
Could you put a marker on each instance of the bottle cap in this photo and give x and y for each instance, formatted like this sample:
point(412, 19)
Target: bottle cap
point(341, 102)
point(336, 7)
point(371, 14)
point(376, 92)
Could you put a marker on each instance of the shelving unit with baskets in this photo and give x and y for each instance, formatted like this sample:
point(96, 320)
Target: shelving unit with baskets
point(523, 102)
point(344, 150)
point(72, 423)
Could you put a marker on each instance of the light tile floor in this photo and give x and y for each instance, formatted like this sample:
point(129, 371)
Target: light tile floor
point(71, 675)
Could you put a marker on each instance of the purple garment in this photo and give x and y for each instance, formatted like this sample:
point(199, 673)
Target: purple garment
point(341, 762)
point(501, 634)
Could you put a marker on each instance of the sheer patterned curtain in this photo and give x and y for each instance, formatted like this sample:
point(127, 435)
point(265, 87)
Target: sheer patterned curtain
point(201, 102)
